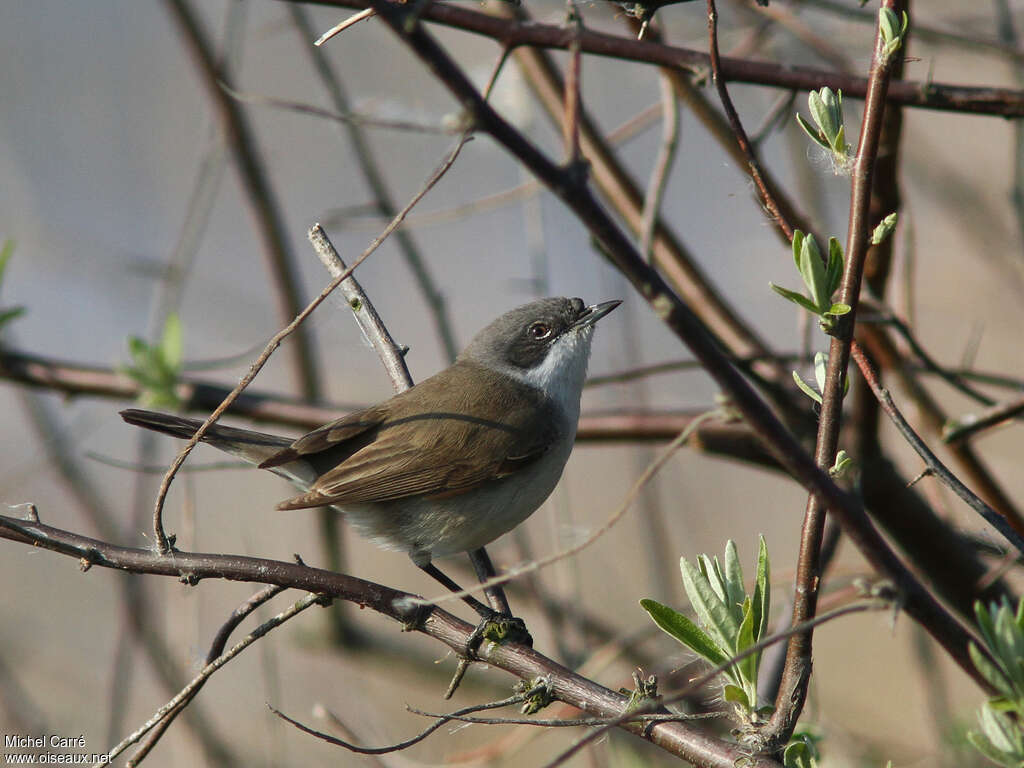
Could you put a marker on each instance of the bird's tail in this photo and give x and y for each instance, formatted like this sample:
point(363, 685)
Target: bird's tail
point(246, 444)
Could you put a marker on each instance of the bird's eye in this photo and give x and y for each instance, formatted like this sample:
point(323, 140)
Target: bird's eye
point(539, 331)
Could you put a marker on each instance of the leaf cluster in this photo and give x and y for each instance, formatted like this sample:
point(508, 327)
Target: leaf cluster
point(821, 277)
point(157, 367)
point(1001, 738)
point(729, 621)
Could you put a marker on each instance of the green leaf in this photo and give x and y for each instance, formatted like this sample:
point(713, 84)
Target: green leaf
point(841, 464)
point(6, 315)
point(806, 388)
point(735, 695)
point(812, 270)
point(710, 609)
point(838, 309)
point(813, 133)
point(798, 299)
point(5, 255)
point(989, 671)
point(745, 639)
point(762, 590)
point(884, 229)
point(797, 755)
point(172, 344)
point(797, 245)
point(834, 268)
point(735, 590)
point(1000, 730)
point(820, 369)
point(685, 631)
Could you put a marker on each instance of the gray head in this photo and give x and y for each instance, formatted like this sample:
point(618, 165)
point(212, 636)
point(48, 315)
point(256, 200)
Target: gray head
point(545, 343)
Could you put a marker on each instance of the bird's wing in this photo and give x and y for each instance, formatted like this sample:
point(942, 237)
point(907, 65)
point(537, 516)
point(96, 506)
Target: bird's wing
point(461, 451)
point(330, 437)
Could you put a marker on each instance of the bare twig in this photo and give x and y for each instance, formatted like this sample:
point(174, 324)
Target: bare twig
point(971, 424)
point(340, 27)
point(260, 193)
point(662, 165)
point(216, 649)
point(199, 680)
point(997, 521)
point(372, 326)
point(753, 165)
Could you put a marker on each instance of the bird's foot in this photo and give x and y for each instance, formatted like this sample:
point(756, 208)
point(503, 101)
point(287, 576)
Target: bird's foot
point(498, 628)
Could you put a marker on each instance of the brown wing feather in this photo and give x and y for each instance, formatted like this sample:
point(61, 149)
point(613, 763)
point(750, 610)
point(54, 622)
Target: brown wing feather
point(460, 451)
point(329, 436)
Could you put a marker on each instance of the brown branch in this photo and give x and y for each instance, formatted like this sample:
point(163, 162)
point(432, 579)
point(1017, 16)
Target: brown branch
point(972, 424)
point(796, 673)
point(937, 468)
point(941, 96)
point(192, 567)
point(753, 166)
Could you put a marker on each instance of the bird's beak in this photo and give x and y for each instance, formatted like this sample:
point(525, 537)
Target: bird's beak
point(595, 312)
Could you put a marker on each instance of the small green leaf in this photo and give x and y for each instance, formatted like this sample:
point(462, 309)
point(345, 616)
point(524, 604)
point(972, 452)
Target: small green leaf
point(734, 586)
point(838, 309)
point(6, 315)
point(762, 589)
point(812, 270)
point(812, 133)
point(797, 244)
point(797, 755)
point(685, 631)
point(744, 640)
point(806, 388)
point(735, 695)
point(834, 268)
point(798, 299)
point(884, 229)
point(171, 344)
point(714, 613)
point(820, 369)
point(989, 671)
point(841, 464)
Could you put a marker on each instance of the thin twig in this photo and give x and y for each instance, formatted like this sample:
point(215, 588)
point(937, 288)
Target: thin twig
point(753, 165)
point(369, 321)
point(216, 649)
point(199, 680)
point(939, 469)
point(971, 424)
point(402, 745)
point(373, 175)
point(340, 27)
point(662, 165)
point(260, 194)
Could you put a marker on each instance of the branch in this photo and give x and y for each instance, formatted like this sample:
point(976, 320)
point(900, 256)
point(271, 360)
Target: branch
point(192, 567)
point(942, 96)
point(797, 670)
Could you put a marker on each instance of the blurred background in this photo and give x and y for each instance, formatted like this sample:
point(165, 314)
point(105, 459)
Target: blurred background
point(123, 200)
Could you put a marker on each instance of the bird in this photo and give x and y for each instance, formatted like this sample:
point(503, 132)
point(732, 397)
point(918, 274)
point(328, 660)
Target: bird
point(452, 463)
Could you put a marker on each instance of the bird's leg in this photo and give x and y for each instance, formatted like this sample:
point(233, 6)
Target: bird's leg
point(501, 625)
point(497, 622)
